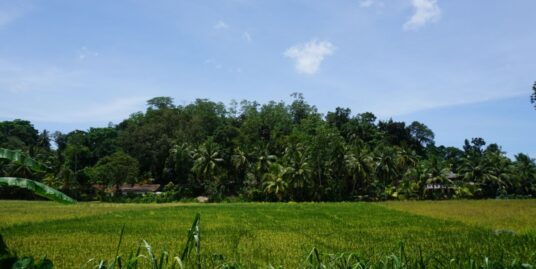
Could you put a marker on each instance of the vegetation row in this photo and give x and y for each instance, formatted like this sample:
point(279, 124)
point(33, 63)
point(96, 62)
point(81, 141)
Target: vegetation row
point(264, 152)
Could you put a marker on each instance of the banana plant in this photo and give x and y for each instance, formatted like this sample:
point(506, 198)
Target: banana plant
point(37, 188)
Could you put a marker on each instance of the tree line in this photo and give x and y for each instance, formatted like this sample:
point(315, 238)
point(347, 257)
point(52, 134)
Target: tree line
point(267, 152)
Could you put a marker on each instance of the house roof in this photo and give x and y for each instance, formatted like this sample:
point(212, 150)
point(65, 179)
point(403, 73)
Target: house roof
point(132, 187)
point(139, 187)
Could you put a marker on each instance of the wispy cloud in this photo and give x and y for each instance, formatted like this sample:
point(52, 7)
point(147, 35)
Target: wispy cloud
point(219, 66)
point(310, 55)
point(22, 79)
point(84, 53)
point(426, 11)
point(246, 36)
point(115, 110)
point(221, 25)
point(407, 105)
point(11, 11)
point(370, 3)
point(213, 63)
point(66, 94)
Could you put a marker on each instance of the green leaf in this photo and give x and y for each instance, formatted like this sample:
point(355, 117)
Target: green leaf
point(18, 156)
point(37, 188)
point(24, 263)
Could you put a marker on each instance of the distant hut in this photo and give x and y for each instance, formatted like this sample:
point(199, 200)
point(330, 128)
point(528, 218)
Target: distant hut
point(439, 188)
point(139, 189)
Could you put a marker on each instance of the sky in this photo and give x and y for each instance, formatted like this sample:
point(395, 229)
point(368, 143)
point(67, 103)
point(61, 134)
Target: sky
point(464, 68)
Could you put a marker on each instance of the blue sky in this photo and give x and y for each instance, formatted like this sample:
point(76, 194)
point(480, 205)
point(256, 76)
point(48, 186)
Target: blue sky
point(464, 68)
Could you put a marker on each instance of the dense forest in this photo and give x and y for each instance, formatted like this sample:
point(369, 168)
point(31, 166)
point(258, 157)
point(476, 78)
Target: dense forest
point(267, 152)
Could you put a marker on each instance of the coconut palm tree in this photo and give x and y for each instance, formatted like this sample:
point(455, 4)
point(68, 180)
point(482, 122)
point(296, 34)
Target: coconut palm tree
point(406, 159)
point(179, 162)
point(299, 170)
point(489, 171)
point(386, 165)
point(275, 181)
point(525, 174)
point(206, 159)
point(240, 161)
point(264, 161)
point(359, 166)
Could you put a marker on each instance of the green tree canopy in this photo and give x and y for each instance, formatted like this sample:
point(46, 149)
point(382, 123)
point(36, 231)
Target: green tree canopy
point(115, 170)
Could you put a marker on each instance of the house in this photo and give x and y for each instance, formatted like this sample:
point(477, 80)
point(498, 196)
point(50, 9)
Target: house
point(439, 186)
point(140, 189)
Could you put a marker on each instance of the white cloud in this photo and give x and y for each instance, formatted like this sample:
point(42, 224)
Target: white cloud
point(246, 36)
point(221, 25)
point(310, 55)
point(425, 11)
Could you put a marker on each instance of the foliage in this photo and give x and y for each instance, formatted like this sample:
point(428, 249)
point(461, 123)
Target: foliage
point(533, 96)
point(115, 170)
point(271, 151)
point(37, 188)
point(19, 157)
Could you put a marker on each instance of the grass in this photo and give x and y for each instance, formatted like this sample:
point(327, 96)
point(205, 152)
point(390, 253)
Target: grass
point(514, 215)
point(254, 234)
point(26, 212)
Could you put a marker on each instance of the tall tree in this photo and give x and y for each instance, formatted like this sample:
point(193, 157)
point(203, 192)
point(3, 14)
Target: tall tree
point(115, 170)
point(525, 174)
point(207, 157)
point(421, 133)
point(161, 102)
point(299, 170)
point(533, 96)
point(300, 109)
point(276, 180)
point(18, 134)
point(360, 168)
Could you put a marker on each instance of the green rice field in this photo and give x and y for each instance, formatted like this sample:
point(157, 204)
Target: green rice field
point(258, 234)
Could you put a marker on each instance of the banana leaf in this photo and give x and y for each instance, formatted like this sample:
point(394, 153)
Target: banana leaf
point(18, 156)
point(37, 188)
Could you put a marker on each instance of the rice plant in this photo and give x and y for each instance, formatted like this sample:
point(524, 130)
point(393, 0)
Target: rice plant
point(148, 259)
point(9, 260)
point(315, 260)
point(257, 235)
